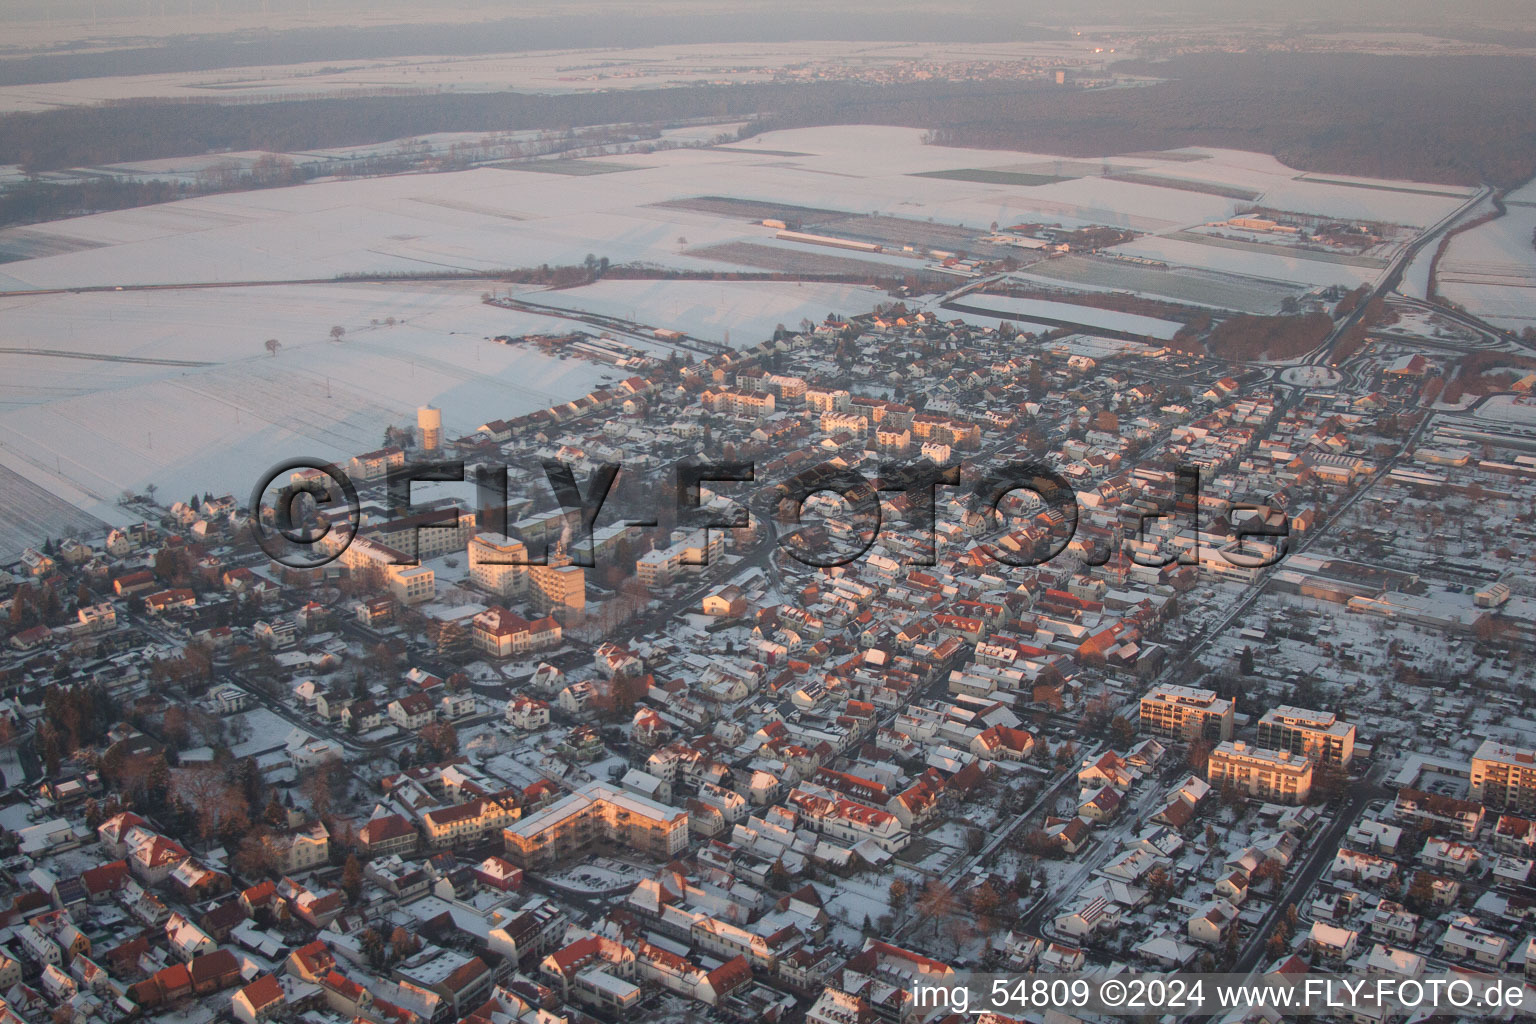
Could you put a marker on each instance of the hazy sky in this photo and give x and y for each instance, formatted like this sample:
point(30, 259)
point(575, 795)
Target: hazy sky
point(147, 19)
point(1389, 13)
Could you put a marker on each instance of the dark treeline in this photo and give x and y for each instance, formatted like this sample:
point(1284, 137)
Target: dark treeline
point(31, 202)
point(1452, 120)
point(34, 201)
point(89, 136)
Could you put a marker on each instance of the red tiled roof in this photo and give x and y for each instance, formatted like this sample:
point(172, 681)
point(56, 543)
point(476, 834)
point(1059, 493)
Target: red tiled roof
point(263, 992)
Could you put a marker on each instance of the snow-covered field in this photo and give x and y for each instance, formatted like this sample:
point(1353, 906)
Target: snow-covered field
point(205, 407)
point(1508, 409)
point(1491, 270)
point(1271, 266)
point(86, 428)
point(747, 311)
point(492, 218)
point(1088, 315)
point(1331, 195)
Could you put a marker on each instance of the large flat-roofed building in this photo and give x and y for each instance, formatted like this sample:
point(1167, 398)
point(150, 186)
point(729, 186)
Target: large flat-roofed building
point(689, 552)
point(557, 587)
point(1319, 735)
point(499, 564)
point(596, 811)
point(1278, 776)
point(1186, 713)
point(411, 584)
point(427, 534)
point(1504, 777)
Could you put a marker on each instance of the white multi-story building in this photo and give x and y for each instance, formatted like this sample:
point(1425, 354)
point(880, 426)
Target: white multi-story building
point(1278, 776)
point(1504, 777)
point(411, 584)
point(1319, 735)
point(501, 633)
point(596, 811)
point(375, 465)
point(1187, 713)
point(498, 563)
point(738, 402)
point(825, 400)
point(688, 552)
point(835, 422)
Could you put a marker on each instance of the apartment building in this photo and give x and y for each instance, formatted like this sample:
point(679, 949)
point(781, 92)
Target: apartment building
point(738, 402)
point(1319, 735)
point(787, 390)
point(838, 422)
point(1187, 713)
point(1436, 812)
point(555, 587)
point(893, 442)
point(497, 563)
point(1504, 777)
point(827, 400)
point(427, 534)
point(301, 850)
point(1277, 776)
point(412, 711)
point(411, 584)
point(956, 433)
point(375, 465)
point(688, 552)
point(595, 812)
point(387, 834)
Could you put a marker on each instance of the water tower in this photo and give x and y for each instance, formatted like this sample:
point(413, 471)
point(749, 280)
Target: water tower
point(429, 420)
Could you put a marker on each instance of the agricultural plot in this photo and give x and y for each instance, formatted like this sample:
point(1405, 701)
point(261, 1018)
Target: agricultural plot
point(746, 312)
point(215, 427)
point(797, 260)
point(1047, 311)
point(662, 211)
point(922, 235)
point(32, 515)
point(579, 168)
point(1185, 184)
point(1274, 249)
point(748, 209)
point(1491, 269)
point(1293, 268)
point(1382, 186)
point(1190, 285)
point(994, 176)
point(26, 244)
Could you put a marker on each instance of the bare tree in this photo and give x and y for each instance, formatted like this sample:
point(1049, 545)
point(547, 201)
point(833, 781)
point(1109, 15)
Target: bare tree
point(936, 904)
point(338, 332)
point(211, 797)
point(318, 787)
point(272, 346)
